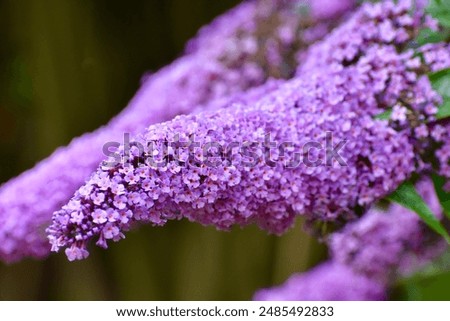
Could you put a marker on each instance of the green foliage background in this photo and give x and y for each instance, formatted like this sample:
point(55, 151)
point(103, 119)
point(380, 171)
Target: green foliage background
point(68, 66)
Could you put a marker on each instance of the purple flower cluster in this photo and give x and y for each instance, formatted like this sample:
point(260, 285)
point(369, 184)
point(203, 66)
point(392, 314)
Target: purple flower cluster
point(374, 43)
point(436, 56)
point(385, 245)
point(327, 282)
point(214, 67)
point(377, 160)
point(383, 23)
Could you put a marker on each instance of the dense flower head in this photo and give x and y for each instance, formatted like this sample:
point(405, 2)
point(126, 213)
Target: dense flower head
point(329, 281)
point(223, 27)
point(210, 70)
point(384, 245)
point(244, 188)
point(436, 56)
point(381, 23)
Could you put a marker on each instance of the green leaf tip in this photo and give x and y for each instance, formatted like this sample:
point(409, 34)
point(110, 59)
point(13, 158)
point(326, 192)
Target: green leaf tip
point(443, 196)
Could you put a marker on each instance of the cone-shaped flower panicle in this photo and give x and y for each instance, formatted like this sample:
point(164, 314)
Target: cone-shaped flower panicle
point(211, 69)
point(327, 282)
point(307, 148)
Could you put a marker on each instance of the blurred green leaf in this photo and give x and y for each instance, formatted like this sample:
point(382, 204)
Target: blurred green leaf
point(407, 196)
point(441, 83)
point(444, 197)
point(436, 288)
point(440, 10)
point(430, 36)
point(444, 110)
point(384, 115)
point(427, 283)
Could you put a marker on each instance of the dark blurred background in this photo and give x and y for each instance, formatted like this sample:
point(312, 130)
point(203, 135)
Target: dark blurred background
point(68, 66)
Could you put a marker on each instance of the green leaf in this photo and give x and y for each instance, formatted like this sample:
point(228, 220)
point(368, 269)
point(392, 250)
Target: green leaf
point(429, 36)
point(444, 197)
point(440, 10)
point(384, 115)
point(441, 83)
point(407, 196)
point(444, 110)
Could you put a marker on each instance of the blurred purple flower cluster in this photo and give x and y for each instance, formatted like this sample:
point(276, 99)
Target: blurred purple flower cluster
point(368, 255)
point(327, 282)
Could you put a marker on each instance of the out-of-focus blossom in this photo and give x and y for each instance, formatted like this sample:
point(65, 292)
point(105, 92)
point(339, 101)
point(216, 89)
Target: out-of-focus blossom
point(368, 256)
point(266, 35)
point(327, 282)
point(386, 245)
point(326, 9)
